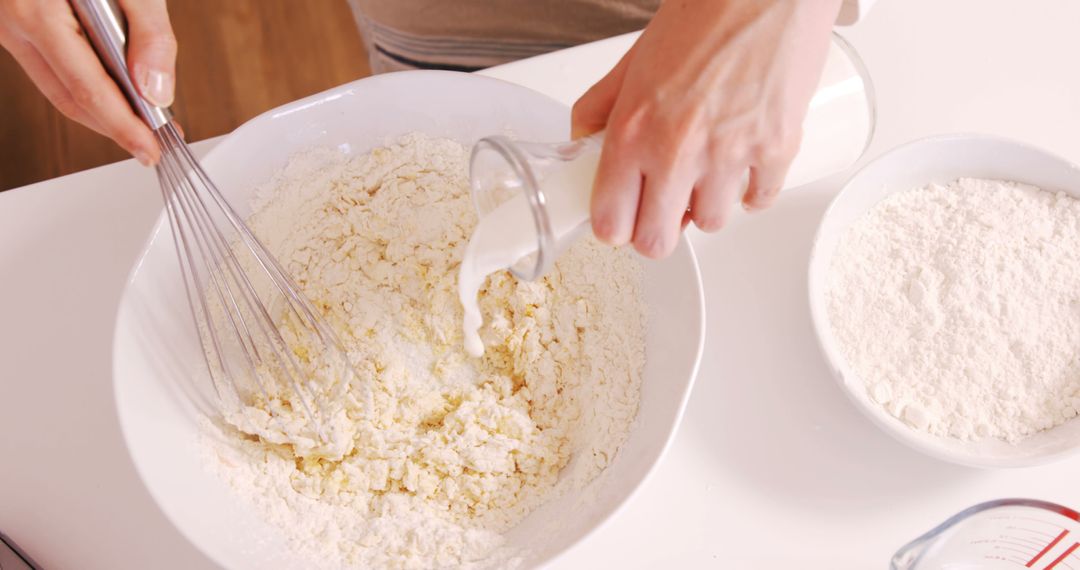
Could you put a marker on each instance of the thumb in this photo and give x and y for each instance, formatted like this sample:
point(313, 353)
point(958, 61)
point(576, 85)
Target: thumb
point(591, 111)
point(151, 50)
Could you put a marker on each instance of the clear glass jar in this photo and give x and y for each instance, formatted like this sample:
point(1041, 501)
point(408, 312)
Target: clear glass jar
point(836, 132)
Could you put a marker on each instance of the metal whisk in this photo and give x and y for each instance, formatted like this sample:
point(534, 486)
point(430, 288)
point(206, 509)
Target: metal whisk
point(263, 340)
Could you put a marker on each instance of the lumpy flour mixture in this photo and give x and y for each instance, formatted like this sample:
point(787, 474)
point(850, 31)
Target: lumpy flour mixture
point(454, 450)
point(959, 307)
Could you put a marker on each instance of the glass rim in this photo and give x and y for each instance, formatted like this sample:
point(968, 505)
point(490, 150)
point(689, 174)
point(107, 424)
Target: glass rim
point(869, 92)
point(907, 549)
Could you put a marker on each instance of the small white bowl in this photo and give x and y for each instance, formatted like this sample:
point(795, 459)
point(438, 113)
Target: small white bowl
point(156, 352)
point(940, 159)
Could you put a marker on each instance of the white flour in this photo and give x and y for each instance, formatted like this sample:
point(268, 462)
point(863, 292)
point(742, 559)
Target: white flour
point(455, 450)
point(959, 307)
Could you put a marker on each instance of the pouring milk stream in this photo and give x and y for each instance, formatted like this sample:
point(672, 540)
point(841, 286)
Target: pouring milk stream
point(545, 188)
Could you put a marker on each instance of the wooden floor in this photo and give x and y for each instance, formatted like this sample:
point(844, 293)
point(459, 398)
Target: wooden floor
point(237, 59)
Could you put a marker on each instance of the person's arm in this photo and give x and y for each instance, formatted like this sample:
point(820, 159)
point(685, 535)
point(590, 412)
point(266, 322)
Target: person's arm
point(711, 89)
point(46, 39)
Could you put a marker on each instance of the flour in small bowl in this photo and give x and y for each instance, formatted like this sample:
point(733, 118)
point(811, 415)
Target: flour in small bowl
point(447, 452)
point(958, 306)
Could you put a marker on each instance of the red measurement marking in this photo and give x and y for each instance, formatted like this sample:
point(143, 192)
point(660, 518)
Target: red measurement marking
point(1064, 555)
point(1043, 552)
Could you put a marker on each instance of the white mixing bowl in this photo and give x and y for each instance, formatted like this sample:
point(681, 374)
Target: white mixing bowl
point(156, 353)
point(940, 159)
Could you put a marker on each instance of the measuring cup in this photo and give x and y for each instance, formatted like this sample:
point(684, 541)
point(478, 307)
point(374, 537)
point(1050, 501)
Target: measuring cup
point(1005, 534)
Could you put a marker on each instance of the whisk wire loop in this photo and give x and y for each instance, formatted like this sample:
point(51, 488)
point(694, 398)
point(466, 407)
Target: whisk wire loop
point(260, 335)
point(240, 337)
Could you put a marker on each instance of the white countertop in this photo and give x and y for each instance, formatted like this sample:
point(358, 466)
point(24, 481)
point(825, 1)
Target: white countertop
point(772, 467)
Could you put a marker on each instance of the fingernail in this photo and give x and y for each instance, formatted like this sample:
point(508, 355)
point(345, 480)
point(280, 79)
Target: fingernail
point(606, 230)
point(652, 246)
point(143, 158)
point(755, 206)
point(156, 86)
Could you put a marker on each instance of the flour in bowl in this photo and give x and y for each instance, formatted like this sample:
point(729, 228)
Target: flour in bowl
point(442, 453)
point(958, 305)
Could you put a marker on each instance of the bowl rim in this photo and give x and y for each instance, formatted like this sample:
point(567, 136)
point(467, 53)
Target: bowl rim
point(934, 446)
point(669, 440)
point(315, 99)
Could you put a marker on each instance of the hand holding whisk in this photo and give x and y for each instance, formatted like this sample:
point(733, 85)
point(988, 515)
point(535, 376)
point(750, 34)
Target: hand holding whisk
point(266, 346)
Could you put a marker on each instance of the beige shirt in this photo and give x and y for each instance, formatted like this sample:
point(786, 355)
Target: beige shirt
point(466, 35)
point(473, 34)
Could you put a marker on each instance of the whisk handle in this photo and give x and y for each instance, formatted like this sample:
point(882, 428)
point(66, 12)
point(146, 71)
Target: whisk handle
point(106, 28)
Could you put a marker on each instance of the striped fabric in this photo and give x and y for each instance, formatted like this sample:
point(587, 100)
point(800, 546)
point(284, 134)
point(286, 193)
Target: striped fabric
point(466, 35)
point(393, 49)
